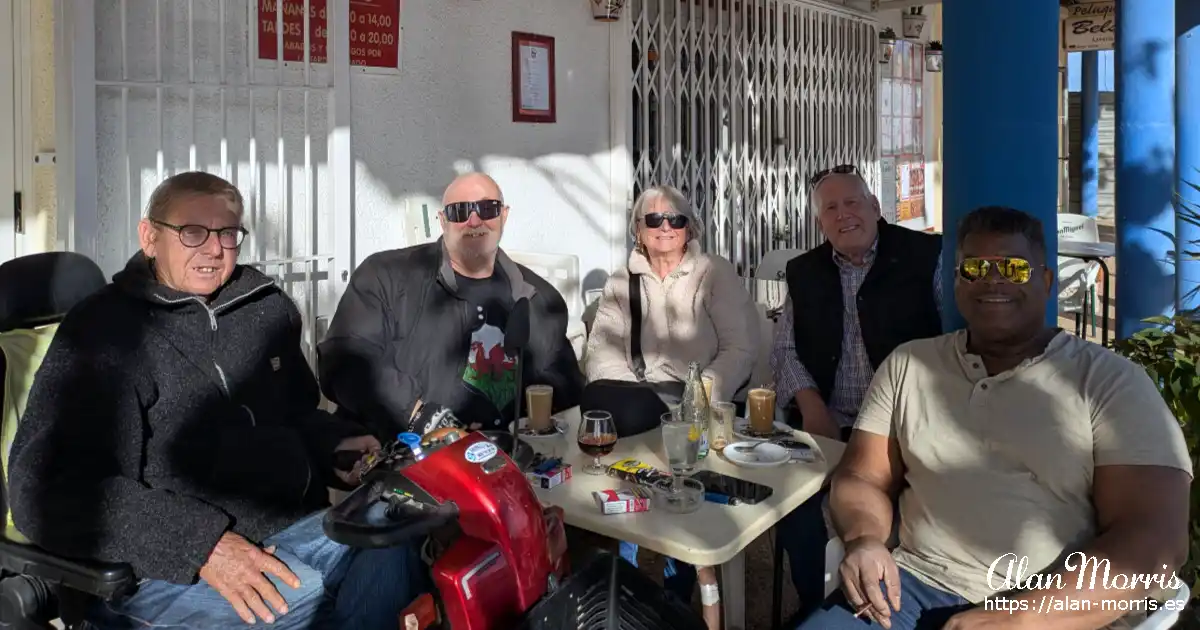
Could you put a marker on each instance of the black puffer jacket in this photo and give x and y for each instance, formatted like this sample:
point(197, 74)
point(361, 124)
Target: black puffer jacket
point(158, 421)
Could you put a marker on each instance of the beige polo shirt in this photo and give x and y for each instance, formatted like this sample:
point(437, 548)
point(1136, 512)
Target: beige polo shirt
point(1004, 464)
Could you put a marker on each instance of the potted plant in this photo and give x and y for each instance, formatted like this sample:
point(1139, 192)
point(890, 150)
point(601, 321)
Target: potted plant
point(933, 56)
point(913, 22)
point(607, 10)
point(1170, 353)
point(1168, 350)
point(887, 44)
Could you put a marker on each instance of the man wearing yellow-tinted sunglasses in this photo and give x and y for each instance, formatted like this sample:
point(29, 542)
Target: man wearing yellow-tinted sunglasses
point(1022, 458)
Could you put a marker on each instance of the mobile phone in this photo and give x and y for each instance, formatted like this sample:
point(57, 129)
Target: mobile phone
point(800, 451)
point(744, 491)
point(793, 445)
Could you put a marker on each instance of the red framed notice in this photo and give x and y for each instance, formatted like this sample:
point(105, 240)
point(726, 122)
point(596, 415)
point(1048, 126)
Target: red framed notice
point(533, 91)
point(374, 31)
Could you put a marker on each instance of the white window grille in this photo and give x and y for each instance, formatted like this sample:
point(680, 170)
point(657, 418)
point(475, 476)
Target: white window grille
point(176, 85)
point(738, 102)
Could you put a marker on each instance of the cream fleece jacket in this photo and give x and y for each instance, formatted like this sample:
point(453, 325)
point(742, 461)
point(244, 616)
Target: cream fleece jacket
point(701, 312)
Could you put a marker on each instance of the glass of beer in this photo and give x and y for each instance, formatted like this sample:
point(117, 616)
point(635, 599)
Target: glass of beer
point(761, 406)
point(708, 383)
point(539, 400)
point(597, 438)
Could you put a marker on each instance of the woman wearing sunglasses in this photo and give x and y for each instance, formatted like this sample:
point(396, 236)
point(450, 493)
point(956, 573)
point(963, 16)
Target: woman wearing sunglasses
point(694, 308)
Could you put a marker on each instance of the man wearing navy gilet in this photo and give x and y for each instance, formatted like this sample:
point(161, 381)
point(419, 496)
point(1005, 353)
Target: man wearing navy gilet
point(869, 288)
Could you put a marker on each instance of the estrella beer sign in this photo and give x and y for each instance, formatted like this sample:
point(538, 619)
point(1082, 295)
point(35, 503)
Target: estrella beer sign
point(1089, 25)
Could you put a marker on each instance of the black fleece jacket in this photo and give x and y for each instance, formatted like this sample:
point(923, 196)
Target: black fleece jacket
point(158, 421)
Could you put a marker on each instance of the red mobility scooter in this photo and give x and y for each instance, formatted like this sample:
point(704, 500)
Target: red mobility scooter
point(501, 556)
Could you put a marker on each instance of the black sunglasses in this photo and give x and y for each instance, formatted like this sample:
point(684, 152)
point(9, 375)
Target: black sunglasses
point(460, 211)
point(840, 169)
point(197, 235)
point(654, 220)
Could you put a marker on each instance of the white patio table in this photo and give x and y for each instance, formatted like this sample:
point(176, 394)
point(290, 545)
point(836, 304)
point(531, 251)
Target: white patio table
point(714, 535)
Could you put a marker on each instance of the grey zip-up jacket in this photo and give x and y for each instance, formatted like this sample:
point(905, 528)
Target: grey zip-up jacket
point(159, 421)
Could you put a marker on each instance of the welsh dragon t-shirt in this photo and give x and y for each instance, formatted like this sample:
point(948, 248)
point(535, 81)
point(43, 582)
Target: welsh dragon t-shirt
point(489, 372)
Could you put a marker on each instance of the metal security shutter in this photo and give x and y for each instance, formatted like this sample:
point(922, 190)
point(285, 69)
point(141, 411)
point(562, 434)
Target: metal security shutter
point(178, 86)
point(737, 102)
point(1106, 198)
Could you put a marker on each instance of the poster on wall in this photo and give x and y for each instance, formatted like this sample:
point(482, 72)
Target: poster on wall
point(533, 92)
point(1089, 25)
point(374, 32)
point(910, 190)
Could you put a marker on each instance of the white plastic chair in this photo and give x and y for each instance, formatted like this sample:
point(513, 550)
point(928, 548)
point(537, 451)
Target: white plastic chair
point(774, 268)
point(1162, 619)
point(774, 264)
point(761, 373)
point(1076, 278)
point(562, 272)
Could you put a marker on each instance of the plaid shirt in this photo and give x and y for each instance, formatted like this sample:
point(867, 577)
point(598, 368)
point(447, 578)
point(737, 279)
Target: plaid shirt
point(854, 372)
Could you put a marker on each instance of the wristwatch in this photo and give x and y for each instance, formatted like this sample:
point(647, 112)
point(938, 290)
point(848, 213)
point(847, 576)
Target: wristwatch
point(430, 417)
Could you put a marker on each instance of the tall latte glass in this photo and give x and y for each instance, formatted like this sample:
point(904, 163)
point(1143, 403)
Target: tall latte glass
point(760, 403)
point(539, 401)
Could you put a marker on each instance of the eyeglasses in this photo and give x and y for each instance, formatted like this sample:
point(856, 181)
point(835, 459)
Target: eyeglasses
point(654, 220)
point(460, 211)
point(197, 235)
point(1015, 270)
point(841, 169)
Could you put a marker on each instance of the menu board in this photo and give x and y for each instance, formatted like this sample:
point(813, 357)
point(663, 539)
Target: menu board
point(374, 31)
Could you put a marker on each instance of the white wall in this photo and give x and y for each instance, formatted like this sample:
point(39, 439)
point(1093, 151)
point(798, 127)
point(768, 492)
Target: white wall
point(450, 110)
point(447, 110)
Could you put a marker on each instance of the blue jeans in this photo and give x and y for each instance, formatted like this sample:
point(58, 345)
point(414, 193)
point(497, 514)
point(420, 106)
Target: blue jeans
point(340, 587)
point(803, 535)
point(922, 607)
point(679, 578)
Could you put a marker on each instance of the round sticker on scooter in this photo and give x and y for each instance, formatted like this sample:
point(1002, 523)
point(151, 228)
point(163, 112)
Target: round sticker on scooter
point(480, 452)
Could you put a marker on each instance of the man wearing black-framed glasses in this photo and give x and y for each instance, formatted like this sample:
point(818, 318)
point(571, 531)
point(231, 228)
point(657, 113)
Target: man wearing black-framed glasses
point(195, 449)
point(423, 327)
point(869, 288)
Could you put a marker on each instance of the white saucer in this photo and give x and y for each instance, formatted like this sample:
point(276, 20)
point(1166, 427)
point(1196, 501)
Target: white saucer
point(764, 455)
point(560, 428)
point(741, 430)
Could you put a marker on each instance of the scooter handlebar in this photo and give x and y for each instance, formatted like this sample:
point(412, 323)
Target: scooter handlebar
point(362, 520)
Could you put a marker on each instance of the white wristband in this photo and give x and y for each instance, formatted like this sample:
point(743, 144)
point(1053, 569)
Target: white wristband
point(710, 594)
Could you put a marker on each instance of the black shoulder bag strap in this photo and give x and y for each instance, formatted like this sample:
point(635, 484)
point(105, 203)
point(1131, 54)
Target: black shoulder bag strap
point(635, 326)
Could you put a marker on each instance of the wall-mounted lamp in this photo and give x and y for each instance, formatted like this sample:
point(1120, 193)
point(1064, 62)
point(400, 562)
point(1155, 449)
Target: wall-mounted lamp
point(887, 44)
point(607, 10)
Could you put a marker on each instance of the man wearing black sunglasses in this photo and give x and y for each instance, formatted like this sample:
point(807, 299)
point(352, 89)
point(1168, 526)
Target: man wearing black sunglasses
point(424, 326)
point(869, 288)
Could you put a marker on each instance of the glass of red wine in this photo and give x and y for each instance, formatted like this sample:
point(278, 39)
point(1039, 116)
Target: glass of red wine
point(597, 438)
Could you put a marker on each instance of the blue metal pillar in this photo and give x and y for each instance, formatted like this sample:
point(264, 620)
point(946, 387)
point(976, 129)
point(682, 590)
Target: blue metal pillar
point(999, 120)
point(1145, 151)
point(1187, 156)
point(1089, 127)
